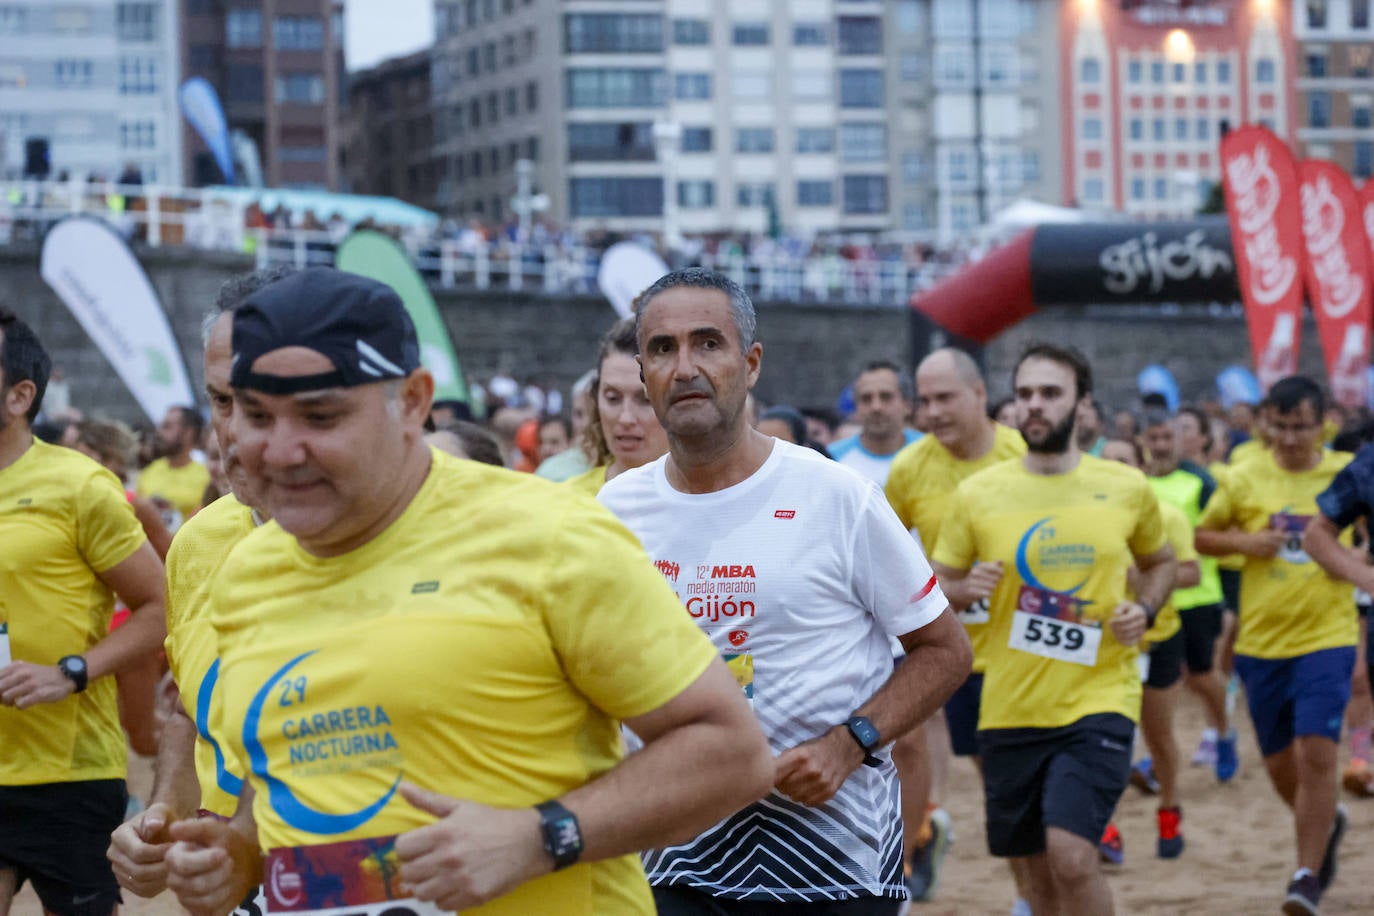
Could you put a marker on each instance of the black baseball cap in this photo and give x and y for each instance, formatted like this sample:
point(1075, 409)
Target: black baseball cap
point(358, 324)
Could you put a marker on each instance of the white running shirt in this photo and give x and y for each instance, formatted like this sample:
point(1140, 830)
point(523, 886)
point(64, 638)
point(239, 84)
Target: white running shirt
point(800, 575)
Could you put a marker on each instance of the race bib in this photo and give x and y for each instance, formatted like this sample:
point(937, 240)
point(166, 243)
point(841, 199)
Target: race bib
point(742, 667)
point(5, 645)
point(255, 905)
point(1293, 526)
point(975, 613)
point(1057, 639)
point(352, 878)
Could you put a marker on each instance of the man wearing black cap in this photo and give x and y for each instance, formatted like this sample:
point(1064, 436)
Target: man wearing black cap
point(437, 718)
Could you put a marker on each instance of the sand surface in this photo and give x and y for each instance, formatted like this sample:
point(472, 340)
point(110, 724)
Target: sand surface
point(1238, 858)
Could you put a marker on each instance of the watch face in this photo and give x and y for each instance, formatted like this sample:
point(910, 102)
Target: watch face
point(865, 732)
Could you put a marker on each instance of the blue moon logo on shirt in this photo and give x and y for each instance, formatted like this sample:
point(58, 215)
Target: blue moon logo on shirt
point(292, 810)
point(1023, 563)
point(227, 781)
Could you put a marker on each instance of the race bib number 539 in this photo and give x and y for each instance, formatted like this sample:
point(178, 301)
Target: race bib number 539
point(1057, 639)
point(352, 878)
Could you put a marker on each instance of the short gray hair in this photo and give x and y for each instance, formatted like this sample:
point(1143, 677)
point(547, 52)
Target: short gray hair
point(235, 291)
point(741, 307)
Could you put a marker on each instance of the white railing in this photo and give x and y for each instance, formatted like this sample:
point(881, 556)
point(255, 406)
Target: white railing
point(199, 219)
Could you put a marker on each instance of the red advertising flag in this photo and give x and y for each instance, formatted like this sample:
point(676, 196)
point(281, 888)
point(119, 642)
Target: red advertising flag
point(1337, 270)
point(1261, 181)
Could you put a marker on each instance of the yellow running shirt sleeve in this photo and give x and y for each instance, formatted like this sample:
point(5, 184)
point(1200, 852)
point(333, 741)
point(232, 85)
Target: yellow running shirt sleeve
point(1065, 542)
point(589, 482)
point(484, 646)
point(920, 487)
point(198, 550)
point(63, 520)
point(1288, 605)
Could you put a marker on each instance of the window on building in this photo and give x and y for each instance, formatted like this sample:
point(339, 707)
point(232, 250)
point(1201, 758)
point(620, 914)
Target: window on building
point(1093, 191)
point(244, 83)
point(1135, 129)
point(1180, 74)
point(909, 16)
point(999, 64)
point(609, 142)
point(298, 33)
point(74, 73)
point(861, 89)
point(532, 149)
point(865, 194)
point(512, 101)
point(963, 215)
point(1359, 14)
point(696, 195)
point(913, 168)
point(612, 33)
point(810, 83)
point(1360, 115)
point(475, 113)
point(508, 50)
point(1359, 56)
point(951, 18)
point(815, 139)
point(750, 33)
point(915, 217)
point(604, 197)
point(911, 66)
point(1315, 65)
point(1030, 167)
point(617, 87)
point(689, 86)
point(202, 58)
point(243, 28)
point(14, 20)
point(860, 35)
point(474, 61)
point(691, 32)
point(1264, 71)
point(1135, 72)
point(138, 76)
point(754, 194)
point(810, 35)
point(1363, 166)
point(1223, 73)
point(959, 167)
point(531, 96)
point(489, 56)
point(815, 192)
point(299, 88)
point(1090, 70)
point(1319, 108)
point(1161, 189)
point(1157, 130)
point(1157, 72)
point(136, 21)
point(953, 67)
point(863, 142)
point(1203, 129)
point(1091, 129)
point(696, 139)
point(754, 140)
point(302, 154)
point(1137, 189)
point(136, 135)
point(752, 84)
point(1316, 14)
point(1180, 128)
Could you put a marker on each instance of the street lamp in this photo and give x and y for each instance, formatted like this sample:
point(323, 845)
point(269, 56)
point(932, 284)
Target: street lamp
point(667, 143)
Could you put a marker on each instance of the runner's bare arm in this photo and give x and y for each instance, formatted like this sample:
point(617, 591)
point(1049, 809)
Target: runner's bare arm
point(704, 758)
point(1189, 574)
point(1217, 543)
point(214, 864)
point(1340, 562)
point(139, 846)
point(964, 586)
point(138, 580)
point(938, 660)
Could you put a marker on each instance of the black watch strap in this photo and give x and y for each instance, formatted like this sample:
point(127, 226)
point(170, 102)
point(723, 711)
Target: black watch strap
point(866, 737)
point(1151, 612)
point(74, 667)
point(562, 834)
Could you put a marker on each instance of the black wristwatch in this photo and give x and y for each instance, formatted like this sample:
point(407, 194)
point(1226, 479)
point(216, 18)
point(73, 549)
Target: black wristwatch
point(866, 737)
point(74, 667)
point(1151, 612)
point(562, 835)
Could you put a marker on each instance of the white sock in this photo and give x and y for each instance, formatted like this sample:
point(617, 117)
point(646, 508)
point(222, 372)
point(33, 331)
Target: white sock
point(1209, 734)
point(1302, 873)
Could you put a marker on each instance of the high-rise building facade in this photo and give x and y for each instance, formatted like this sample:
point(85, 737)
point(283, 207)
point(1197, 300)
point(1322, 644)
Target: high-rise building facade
point(1149, 86)
point(277, 66)
point(1335, 83)
point(92, 83)
point(740, 115)
point(388, 145)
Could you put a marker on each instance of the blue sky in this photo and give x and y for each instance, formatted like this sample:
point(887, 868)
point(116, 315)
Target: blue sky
point(377, 29)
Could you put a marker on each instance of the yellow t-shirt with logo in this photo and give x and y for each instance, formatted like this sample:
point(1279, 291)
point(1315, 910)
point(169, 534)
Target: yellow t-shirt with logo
point(1180, 535)
point(589, 481)
point(484, 646)
point(63, 520)
point(182, 487)
point(1288, 605)
point(1066, 542)
point(197, 552)
point(1246, 451)
point(920, 486)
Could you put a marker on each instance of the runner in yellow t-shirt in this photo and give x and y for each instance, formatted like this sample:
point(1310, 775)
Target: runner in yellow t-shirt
point(69, 542)
point(175, 481)
point(1062, 688)
point(622, 431)
point(952, 398)
point(1295, 646)
point(424, 661)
